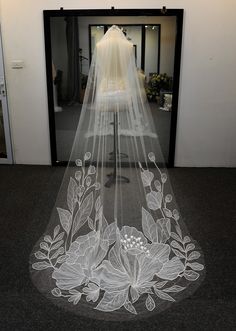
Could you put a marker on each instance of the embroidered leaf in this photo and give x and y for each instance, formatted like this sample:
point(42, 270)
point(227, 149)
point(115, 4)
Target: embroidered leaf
point(163, 177)
point(147, 223)
point(41, 265)
point(62, 259)
point(190, 247)
point(176, 215)
point(176, 237)
point(113, 301)
point(178, 253)
point(56, 231)
point(174, 288)
point(103, 224)
point(90, 223)
point(157, 185)
point(134, 294)
point(80, 191)
point(176, 245)
point(87, 156)
point(167, 212)
point(186, 239)
point(162, 295)
point(44, 246)
point(128, 306)
point(57, 245)
point(178, 230)
point(151, 156)
point(194, 256)
point(59, 237)
point(97, 186)
point(58, 252)
point(88, 181)
point(161, 284)
point(71, 193)
point(98, 203)
point(56, 292)
point(48, 239)
point(40, 255)
point(191, 275)
point(91, 170)
point(150, 303)
point(165, 226)
point(78, 162)
point(147, 177)
point(110, 233)
point(114, 257)
point(156, 233)
point(78, 175)
point(168, 198)
point(196, 266)
point(99, 214)
point(65, 219)
point(83, 213)
point(154, 200)
point(171, 269)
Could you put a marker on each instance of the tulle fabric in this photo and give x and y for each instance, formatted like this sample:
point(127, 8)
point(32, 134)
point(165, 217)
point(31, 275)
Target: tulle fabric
point(115, 246)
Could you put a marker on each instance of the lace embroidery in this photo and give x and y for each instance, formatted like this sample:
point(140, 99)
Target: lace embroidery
point(114, 267)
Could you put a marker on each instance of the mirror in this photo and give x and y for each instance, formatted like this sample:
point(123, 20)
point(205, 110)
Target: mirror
point(70, 39)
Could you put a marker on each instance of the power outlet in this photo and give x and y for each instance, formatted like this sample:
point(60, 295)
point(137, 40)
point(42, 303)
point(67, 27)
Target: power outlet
point(17, 64)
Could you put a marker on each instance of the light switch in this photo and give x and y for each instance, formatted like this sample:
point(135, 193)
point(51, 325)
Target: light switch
point(17, 64)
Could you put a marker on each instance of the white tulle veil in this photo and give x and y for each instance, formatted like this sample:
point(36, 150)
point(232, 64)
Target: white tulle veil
point(115, 246)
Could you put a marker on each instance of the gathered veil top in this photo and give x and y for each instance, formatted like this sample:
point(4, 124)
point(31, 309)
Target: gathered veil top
point(115, 246)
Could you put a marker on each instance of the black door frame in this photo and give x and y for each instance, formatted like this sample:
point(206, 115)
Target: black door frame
point(178, 13)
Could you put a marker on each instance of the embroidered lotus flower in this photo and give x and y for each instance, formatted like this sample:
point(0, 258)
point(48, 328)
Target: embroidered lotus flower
point(84, 255)
point(131, 270)
point(125, 272)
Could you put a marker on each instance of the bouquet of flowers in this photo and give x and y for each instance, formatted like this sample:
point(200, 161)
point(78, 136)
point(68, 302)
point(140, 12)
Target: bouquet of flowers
point(156, 83)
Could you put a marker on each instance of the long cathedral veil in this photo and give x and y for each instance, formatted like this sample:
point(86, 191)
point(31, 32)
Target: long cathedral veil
point(115, 246)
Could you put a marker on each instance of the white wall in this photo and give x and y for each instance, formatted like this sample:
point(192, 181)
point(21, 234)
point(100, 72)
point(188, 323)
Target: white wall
point(206, 131)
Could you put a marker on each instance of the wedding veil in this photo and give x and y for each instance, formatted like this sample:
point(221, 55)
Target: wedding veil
point(116, 246)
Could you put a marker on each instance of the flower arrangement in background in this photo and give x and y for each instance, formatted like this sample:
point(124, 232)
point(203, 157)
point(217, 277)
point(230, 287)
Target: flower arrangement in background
point(156, 83)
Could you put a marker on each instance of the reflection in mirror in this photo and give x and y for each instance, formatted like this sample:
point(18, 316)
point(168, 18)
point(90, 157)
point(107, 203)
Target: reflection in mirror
point(73, 39)
point(3, 151)
point(95, 34)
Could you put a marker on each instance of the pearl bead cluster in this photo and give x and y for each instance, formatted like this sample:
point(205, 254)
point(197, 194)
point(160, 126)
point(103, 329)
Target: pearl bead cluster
point(134, 242)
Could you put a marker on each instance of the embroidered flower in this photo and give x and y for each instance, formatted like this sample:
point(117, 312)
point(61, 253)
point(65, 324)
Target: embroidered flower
point(133, 241)
point(131, 270)
point(75, 297)
point(91, 292)
point(69, 276)
point(126, 273)
point(84, 255)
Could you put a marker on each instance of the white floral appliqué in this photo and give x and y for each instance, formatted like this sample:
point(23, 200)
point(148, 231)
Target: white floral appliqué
point(113, 267)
